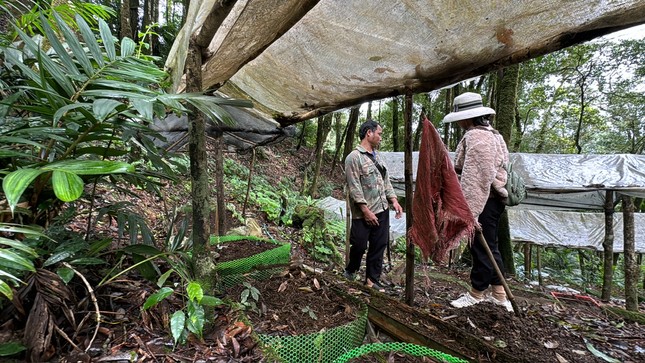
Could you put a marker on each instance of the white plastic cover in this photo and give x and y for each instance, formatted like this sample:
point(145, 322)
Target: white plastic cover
point(540, 227)
point(343, 53)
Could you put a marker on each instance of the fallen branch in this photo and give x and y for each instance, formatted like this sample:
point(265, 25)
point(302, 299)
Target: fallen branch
point(96, 304)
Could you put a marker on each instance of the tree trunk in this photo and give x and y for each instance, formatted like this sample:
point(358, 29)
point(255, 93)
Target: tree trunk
point(134, 20)
point(351, 131)
point(506, 106)
point(629, 250)
point(338, 130)
point(126, 27)
point(395, 124)
point(197, 152)
point(369, 111)
point(219, 184)
point(324, 126)
point(608, 247)
point(303, 133)
point(338, 146)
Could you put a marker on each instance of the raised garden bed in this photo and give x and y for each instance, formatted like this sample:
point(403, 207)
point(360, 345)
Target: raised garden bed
point(240, 255)
point(301, 318)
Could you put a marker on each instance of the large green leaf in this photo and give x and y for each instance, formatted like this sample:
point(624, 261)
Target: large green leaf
point(5, 290)
point(15, 183)
point(108, 40)
point(65, 58)
point(157, 297)
point(91, 167)
point(104, 108)
point(127, 47)
point(90, 40)
point(77, 49)
point(15, 261)
point(18, 245)
point(11, 348)
point(67, 186)
point(177, 325)
point(195, 291)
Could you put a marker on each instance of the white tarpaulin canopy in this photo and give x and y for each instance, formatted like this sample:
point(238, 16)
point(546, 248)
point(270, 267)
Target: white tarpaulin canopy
point(297, 59)
point(560, 181)
point(565, 193)
point(545, 228)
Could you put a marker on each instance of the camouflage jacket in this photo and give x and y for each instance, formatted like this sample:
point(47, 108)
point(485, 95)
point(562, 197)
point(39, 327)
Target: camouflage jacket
point(366, 184)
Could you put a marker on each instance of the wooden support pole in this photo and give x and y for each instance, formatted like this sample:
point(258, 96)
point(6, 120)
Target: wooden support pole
point(608, 248)
point(539, 264)
point(248, 184)
point(409, 250)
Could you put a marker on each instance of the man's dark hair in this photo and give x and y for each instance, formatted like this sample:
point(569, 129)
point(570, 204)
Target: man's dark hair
point(369, 125)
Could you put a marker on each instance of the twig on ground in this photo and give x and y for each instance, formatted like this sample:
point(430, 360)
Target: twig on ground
point(94, 301)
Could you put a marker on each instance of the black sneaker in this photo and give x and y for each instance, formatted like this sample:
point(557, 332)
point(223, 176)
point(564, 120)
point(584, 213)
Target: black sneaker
point(349, 275)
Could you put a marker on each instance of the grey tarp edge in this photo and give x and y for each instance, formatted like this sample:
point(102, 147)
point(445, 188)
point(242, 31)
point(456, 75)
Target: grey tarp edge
point(540, 227)
point(565, 181)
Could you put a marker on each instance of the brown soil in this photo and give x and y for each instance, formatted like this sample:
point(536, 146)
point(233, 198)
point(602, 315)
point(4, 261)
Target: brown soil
point(569, 328)
point(392, 357)
point(294, 303)
point(241, 249)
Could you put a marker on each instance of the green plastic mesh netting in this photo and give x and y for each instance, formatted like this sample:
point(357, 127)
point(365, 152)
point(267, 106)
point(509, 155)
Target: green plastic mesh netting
point(321, 347)
point(236, 271)
point(407, 348)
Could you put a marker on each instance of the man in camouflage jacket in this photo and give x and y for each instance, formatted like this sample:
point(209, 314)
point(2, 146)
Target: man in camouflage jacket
point(370, 192)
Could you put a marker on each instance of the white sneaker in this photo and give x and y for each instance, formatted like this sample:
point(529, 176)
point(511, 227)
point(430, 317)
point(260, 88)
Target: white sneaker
point(465, 300)
point(505, 303)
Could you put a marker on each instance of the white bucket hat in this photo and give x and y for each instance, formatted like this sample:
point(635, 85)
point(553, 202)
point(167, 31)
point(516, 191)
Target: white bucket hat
point(467, 105)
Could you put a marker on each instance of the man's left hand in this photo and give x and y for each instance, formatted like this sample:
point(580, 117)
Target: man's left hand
point(397, 209)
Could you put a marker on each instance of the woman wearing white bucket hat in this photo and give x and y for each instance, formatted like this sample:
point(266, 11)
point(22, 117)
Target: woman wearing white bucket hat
point(479, 161)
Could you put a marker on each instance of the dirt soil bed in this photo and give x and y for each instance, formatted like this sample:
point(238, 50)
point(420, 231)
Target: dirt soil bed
point(567, 329)
point(391, 358)
point(235, 250)
point(294, 303)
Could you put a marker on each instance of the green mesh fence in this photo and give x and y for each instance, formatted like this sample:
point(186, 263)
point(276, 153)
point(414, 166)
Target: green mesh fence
point(235, 271)
point(407, 348)
point(321, 347)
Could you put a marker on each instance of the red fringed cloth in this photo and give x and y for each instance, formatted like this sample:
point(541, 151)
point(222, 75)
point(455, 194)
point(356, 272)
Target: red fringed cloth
point(441, 217)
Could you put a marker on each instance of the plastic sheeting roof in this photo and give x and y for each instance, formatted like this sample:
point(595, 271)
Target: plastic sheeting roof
point(297, 59)
point(557, 181)
point(545, 228)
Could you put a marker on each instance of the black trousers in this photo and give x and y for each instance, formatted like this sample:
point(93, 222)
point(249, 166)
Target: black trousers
point(377, 237)
point(483, 272)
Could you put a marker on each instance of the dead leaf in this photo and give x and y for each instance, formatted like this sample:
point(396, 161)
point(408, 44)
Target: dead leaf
point(303, 274)
point(283, 286)
point(316, 284)
point(471, 323)
point(561, 358)
point(305, 289)
point(551, 345)
point(236, 347)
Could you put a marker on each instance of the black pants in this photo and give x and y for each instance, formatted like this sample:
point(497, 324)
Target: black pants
point(483, 272)
point(377, 236)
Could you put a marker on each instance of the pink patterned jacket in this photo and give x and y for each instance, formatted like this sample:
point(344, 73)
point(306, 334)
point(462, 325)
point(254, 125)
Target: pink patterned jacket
point(479, 159)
